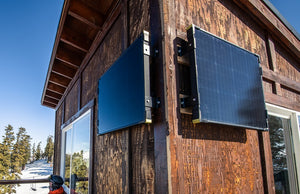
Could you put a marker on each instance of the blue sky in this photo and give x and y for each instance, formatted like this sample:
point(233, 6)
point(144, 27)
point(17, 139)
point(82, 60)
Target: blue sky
point(27, 35)
point(28, 29)
point(290, 10)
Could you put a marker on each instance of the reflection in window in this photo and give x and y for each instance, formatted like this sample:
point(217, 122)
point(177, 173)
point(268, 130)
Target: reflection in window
point(299, 121)
point(282, 154)
point(67, 156)
point(77, 149)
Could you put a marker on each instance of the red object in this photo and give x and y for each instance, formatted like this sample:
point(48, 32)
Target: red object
point(57, 191)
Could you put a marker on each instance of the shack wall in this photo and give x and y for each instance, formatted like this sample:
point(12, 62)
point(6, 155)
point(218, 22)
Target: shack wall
point(172, 154)
point(123, 161)
point(208, 158)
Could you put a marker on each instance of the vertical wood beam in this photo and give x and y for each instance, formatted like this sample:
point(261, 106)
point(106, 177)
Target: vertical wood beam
point(126, 138)
point(266, 161)
point(63, 112)
point(160, 124)
point(273, 62)
point(79, 92)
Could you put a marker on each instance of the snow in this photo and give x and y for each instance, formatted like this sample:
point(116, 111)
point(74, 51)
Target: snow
point(37, 170)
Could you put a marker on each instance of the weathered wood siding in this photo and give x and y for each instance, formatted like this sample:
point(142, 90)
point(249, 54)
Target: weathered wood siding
point(213, 158)
point(57, 139)
point(124, 160)
point(172, 154)
point(71, 102)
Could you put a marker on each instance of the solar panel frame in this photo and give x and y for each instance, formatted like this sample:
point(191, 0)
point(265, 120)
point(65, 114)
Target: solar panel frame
point(226, 82)
point(124, 89)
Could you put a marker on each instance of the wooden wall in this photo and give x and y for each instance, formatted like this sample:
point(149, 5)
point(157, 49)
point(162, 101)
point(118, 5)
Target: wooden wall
point(172, 154)
point(123, 161)
point(208, 158)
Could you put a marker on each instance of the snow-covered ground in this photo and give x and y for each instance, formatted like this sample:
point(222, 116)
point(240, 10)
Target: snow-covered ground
point(37, 170)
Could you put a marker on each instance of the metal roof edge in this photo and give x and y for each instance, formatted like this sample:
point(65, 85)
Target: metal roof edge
point(281, 18)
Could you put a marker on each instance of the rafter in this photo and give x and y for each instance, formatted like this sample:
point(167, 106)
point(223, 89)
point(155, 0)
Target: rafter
point(56, 88)
point(53, 95)
point(59, 80)
point(63, 69)
point(86, 14)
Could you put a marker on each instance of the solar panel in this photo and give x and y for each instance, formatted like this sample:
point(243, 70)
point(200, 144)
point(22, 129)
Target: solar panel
point(124, 90)
point(226, 82)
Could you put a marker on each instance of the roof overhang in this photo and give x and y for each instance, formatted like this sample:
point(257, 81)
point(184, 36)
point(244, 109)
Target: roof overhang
point(84, 23)
point(81, 26)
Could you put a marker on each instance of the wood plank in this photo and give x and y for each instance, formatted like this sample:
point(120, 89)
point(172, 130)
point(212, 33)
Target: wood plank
point(281, 101)
point(48, 104)
point(73, 44)
point(69, 54)
point(87, 14)
point(51, 100)
point(266, 160)
point(81, 28)
point(84, 20)
point(142, 158)
point(101, 6)
point(59, 116)
point(56, 88)
point(285, 81)
point(53, 95)
point(271, 54)
point(74, 66)
point(160, 125)
point(76, 38)
point(71, 101)
point(63, 69)
point(274, 25)
point(59, 80)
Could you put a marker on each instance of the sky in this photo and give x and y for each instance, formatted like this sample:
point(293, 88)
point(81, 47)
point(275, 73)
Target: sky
point(27, 34)
point(290, 10)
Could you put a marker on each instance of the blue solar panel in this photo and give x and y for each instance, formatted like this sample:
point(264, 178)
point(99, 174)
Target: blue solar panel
point(226, 83)
point(124, 90)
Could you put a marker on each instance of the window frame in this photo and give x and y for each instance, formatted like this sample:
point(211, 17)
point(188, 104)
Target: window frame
point(87, 109)
point(292, 115)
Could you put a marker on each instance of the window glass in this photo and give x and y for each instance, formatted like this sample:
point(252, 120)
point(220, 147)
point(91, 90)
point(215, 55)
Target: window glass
point(77, 149)
point(80, 155)
point(282, 157)
point(67, 155)
point(299, 121)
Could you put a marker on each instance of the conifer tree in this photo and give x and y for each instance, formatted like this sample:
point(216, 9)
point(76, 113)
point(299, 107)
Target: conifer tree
point(80, 168)
point(21, 149)
point(6, 152)
point(38, 153)
point(27, 146)
point(33, 152)
point(49, 149)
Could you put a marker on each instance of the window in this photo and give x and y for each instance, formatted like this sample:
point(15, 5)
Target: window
point(75, 158)
point(284, 138)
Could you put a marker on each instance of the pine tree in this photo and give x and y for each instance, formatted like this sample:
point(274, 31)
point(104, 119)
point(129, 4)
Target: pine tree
point(38, 154)
point(277, 144)
point(80, 168)
point(27, 146)
point(21, 152)
point(7, 165)
point(49, 149)
point(3, 168)
point(33, 152)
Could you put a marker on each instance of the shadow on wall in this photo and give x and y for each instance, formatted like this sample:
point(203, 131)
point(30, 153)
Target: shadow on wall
point(209, 131)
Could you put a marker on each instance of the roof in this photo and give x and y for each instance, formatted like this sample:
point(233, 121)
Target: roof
point(283, 20)
point(82, 25)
